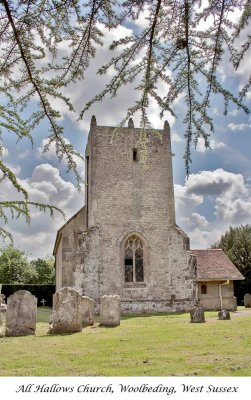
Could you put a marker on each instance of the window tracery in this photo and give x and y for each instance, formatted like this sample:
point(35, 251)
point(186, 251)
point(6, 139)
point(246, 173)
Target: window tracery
point(134, 259)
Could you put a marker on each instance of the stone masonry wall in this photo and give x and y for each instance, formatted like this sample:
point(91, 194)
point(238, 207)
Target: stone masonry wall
point(69, 242)
point(126, 197)
point(211, 300)
point(87, 263)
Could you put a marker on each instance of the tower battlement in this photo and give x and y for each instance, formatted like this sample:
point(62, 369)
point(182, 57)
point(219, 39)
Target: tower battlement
point(135, 174)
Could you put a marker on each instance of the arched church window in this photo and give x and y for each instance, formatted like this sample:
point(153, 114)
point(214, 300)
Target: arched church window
point(134, 260)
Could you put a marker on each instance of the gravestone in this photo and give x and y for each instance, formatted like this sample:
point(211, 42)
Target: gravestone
point(43, 301)
point(2, 327)
point(3, 306)
point(87, 311)
point(224, 315)
point(247, 300)
point(110, 310)
point(21, 314)
point(66, 316)
point(197, 315)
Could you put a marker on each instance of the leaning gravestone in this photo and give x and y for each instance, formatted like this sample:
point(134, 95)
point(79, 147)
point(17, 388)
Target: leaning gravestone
point(87, 311)
point(21, 314)
point(110, 310)
point(247, 300)
point(223, 315)
point(66, 315)
point(197, 315)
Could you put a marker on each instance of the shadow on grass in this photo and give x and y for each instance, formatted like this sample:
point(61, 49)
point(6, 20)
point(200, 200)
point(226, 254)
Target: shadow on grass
point(164, 314)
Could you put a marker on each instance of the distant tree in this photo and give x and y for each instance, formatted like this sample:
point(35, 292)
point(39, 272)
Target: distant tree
point(45, 271)
point(15, 267)
point(236, 243)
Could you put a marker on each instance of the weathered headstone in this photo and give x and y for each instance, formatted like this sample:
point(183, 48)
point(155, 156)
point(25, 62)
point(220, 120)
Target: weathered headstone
point(87, 311)
point(247, 300)
point(21, 314)
point(197, 315)
point(50, 322)
point(110, 310)
point(224, 315)
point(2, 326)
point(66, 315)
point(3, 306)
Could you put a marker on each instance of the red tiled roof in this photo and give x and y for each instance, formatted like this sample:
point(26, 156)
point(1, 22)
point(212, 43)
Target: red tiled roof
point(215, 265)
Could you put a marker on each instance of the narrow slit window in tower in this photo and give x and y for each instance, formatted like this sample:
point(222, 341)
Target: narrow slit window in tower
point(135, 155)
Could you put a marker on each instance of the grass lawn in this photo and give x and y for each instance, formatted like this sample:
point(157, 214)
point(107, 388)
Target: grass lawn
point(153, 345)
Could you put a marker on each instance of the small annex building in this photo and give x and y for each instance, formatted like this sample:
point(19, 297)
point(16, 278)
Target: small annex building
point(125, 240)
point(215, 276)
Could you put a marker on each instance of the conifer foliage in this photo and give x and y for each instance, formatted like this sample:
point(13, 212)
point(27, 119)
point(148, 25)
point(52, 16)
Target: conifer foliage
point(47, 44)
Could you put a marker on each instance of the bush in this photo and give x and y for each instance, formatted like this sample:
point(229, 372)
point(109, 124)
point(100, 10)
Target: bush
point(40, 291)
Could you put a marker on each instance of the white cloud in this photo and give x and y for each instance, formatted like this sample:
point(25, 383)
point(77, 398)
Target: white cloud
point(176, 138)
point(46, 179)
point(229, 197)
point(203, 239)
point(216, 183)
point(223, 72)
point(51, 155)
point(142, 21)
point(236, 211)
point(185, 201)
point(196, 221)
point(234, 112)
point(244, 68)
point(83, 91)
point(215, 111)
point(3, 152)
point(45, 186)
point(214, 144)
point(153, 114)
point(237, 127)
point(16, 169)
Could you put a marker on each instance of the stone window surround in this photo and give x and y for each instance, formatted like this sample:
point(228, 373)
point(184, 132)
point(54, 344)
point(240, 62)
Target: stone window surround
point(136, 156)
point(146, 254)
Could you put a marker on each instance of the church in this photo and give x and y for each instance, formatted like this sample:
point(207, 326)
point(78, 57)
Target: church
point(125, 240)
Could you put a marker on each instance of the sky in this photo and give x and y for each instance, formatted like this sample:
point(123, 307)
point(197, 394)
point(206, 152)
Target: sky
point(216, 195)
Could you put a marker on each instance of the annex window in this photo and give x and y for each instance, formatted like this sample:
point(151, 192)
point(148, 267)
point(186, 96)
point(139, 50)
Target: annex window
point(134, 260)
point(203, 289)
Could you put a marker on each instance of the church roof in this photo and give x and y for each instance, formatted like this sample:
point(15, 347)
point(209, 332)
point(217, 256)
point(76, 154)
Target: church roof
point(214, 265)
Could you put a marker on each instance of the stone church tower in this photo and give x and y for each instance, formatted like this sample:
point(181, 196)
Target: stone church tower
point(125, 240)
